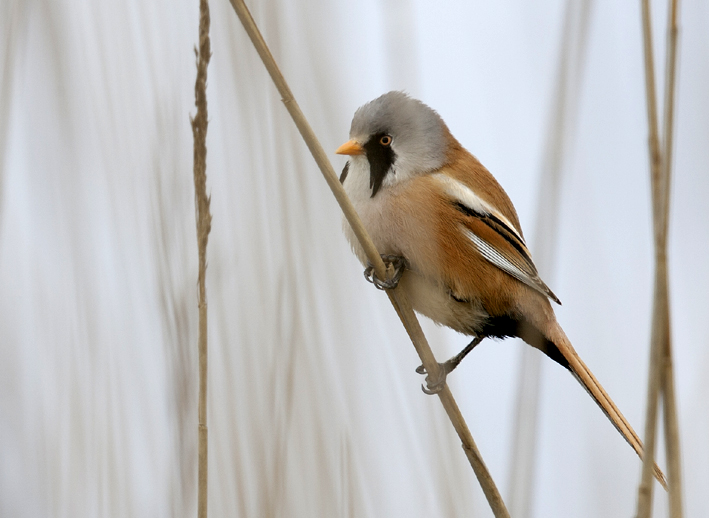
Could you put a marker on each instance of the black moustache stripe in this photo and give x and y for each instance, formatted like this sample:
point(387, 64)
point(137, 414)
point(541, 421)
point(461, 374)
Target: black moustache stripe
point(381, 159)
point(344, 172)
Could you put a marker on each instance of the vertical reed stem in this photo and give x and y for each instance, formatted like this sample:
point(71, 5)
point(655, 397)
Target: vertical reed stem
point(645, 488)
point(204, 225)
point(671, 424)
point(661, 377)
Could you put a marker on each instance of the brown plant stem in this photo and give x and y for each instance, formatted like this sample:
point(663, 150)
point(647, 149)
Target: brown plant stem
point(671, 421)
point(645, 488)
point(397, 296)
point(204, 225)
point(661, 377)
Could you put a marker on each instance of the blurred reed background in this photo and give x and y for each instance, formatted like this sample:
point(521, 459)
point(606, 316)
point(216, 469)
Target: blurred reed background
point(314, 406)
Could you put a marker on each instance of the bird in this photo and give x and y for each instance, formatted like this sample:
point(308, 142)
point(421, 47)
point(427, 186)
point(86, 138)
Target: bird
point(453, 239)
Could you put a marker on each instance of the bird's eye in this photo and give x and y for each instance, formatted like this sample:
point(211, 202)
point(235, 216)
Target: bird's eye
point(385, 140)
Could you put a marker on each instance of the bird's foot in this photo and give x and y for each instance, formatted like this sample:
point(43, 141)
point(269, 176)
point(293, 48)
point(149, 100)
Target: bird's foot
point(397, 263)
point(435, 384)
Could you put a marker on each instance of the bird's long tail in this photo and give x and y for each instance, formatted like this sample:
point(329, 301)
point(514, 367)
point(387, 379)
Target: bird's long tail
point(559, 348)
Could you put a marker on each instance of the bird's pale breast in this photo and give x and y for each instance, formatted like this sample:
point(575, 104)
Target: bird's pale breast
point(402, 220)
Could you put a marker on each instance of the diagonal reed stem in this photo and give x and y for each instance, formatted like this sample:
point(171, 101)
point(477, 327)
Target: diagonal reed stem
point(397, 296)
point(661, 376)
point(204, 225)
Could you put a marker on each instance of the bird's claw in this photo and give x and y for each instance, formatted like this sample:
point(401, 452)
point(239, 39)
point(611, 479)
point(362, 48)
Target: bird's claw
point(398, 263)
point(434, 385)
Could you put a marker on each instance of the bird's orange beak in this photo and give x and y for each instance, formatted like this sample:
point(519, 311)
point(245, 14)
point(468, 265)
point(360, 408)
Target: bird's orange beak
point(351, 147)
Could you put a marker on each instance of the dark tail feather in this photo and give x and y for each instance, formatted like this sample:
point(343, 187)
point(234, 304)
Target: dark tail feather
point(559, 349)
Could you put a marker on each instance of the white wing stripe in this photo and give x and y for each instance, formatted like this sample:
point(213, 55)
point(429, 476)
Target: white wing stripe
point(465, 195)
point(495, 257)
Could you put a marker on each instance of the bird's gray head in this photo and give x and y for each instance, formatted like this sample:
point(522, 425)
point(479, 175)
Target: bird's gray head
point(399, 136)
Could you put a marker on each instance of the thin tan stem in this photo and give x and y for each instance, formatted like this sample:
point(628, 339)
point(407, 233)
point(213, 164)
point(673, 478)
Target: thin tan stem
point(661, 377)
point(204, 225)
point(671, 421)
point(672, 447)
point(397, 296)
point(669, 111)
point(645, 488)
point(413, 328)
point(308, 135)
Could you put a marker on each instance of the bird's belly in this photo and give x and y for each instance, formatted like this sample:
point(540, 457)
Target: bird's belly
point(434, 300)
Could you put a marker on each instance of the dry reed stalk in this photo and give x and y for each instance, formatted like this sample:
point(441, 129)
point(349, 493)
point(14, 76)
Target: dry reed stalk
point(645, 488)
point(204, 225)
point(671, 422)
point(661, 377)
point(397, 297)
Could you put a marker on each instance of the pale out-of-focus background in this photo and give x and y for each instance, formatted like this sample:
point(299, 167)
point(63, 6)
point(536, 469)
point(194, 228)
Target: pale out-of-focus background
point(314, 406)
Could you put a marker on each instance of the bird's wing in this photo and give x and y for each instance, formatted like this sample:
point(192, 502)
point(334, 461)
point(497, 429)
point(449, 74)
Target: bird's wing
point(493, 235)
